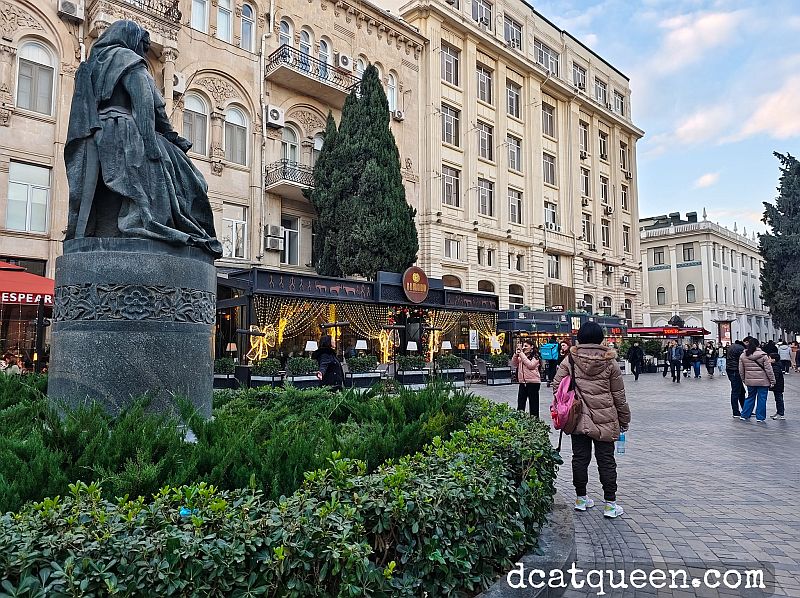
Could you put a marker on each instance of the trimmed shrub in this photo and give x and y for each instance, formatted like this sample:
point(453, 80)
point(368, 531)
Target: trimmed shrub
point(362, 364)
point(224, 365)
point(410, 363)
point(448, 362)
point(266, 367)
point(499, 361)
point(301, 366)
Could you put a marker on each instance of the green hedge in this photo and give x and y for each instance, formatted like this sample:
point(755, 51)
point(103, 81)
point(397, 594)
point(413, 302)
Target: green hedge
point(444, 521)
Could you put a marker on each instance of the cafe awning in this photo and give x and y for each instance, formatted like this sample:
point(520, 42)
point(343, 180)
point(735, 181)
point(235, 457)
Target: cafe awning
point(662, 331)
point(18, 287)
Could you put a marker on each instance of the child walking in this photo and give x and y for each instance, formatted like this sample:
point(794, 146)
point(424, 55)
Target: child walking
point(777, 390)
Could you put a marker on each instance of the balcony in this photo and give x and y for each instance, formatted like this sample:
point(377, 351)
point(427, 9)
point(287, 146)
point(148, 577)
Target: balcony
point(288, 179)
point(161, 18)
point(288, 67)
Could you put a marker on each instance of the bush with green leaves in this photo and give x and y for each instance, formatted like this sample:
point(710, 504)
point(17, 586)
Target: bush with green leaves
point(499, 361)
point(301, 366)
point(407, 363)
point(444, 521)
point(448, 362)
point(362, 364)
point(224, 365)
point(266, 367)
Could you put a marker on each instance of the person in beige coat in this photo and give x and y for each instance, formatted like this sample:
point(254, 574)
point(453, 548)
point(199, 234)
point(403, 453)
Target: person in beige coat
point(755, 369)
point(604, 414)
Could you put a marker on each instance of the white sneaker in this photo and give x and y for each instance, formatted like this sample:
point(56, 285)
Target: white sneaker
point(612, 510)
point(776, 416)
point(582, 503)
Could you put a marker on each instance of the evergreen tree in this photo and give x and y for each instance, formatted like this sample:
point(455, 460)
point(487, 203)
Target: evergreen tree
point(780, 278)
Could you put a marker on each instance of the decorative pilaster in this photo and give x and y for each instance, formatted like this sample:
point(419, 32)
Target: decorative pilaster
point(7, 55)
point(168, 58)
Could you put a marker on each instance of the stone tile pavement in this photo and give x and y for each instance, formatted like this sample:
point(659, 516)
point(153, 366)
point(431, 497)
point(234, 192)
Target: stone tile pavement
point(698, 486)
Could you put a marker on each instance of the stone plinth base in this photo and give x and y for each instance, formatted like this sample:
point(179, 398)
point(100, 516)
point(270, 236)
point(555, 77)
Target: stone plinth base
point(133, 317)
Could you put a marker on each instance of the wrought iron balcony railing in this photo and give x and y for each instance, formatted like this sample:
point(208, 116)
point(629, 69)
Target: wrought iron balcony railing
point(166, 9)
point(292, 58)
point(292, 172)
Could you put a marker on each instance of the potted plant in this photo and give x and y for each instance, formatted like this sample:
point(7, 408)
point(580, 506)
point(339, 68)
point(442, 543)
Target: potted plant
point(362, 371)
point(498, 371)
point(411, 371)
point(224, 368)
point(448, 368)
point(302, 372)
point(265, 372)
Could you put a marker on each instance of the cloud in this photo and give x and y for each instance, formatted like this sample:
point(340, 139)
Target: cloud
point(704, 124)
point(590, 39)
point(707, 180)
point(776, 114)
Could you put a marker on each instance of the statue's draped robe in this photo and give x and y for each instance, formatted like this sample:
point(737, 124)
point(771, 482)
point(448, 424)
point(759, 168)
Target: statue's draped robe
point(160, 194)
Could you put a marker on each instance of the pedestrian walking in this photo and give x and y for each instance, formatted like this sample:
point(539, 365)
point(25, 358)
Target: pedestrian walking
point(785, 356)
point(526, 361)
point(604, 413)
point(794, 356)
point(549, 353)
point(757, 375)
point(635, 357)
point(665, 355)
point(711, 359)
point(777, 388)
point(676, 356)
point(686, 362)
point(722, 353)
point(769, 347)
point(732, 370)
point(696, 356)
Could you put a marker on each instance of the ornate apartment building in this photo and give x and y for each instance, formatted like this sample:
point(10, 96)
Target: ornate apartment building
point(529, 181)
point(250, 83)
point(705, 273)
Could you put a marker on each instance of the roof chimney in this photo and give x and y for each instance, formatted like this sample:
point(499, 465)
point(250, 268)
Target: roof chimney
point(691, 216)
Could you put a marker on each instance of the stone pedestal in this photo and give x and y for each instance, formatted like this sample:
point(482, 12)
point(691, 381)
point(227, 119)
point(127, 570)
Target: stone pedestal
point(133, 317)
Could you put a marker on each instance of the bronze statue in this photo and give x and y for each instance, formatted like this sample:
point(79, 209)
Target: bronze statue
point(128, 172)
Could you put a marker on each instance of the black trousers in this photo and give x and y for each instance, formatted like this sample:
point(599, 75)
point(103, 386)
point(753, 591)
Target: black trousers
point(636, 369)
point(552, 366)
point(529, 392)
point(675, 370)
point(606, 465)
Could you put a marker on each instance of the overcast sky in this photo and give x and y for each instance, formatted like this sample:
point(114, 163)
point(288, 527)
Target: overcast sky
point(716, 87)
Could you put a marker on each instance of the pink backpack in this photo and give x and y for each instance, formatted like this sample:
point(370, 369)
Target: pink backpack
point(566, 406)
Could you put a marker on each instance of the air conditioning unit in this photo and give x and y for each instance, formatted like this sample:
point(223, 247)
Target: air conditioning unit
point(71, 10)
point(589, 264)
point(344, 61)
point(609, 210)
point(584, 154)
point(552, 226)
point(486, 22)
point(626, 279)
point(178, 83)
point(398, 115)
point(581, 303)
point(585, 202)
point(609, 268)
point(273, 244)
point(273, 230)
point(275, 117)
point(628, 175)
point(605, 305)
point(513, 44)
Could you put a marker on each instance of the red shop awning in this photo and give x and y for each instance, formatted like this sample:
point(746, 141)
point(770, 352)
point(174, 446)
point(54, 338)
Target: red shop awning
point(18, 287)
point(667, 331)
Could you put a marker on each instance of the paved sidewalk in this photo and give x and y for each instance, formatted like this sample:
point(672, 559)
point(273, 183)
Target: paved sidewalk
point(697, 485)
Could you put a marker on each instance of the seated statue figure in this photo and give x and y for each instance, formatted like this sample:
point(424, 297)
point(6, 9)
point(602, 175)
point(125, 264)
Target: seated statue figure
point(128, 172)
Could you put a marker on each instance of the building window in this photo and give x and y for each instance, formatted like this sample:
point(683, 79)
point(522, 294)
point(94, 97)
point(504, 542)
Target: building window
point(626, 281)
point(451, 282)
point(248, 28)
point(754, 297)
point(514, 153)
point(224, 20)
point(579, 76)
point(546, 56)
point(588, 302)
point(450, 59)
point(482, 13)
point(515, 206)
point(690, 294)
point(623, 155)
point(553, 266)
point(289, 146)
point(285, 33)
point(744, 296)
point(235, 136)
point(725, 291)
point(450, 125)
point(451, 182)
point(583, 136)
point(752, 263)
point(604, 190)
point(714, 252)
point(688, 252)
point(743, 258)
point(485, 286)
point(623, 197)
point(485, 141)
point(512, 32)
point(549, 168)
point(452, 248)
point(519, 262)
point(35, 78)
point(724, 256)
point(658, 256)
point(550, 214)
point(326, 61)
point(234, 231)
point(513, 98)
point(291, 240)
point(485, 197)
point(200, 15)
point(626, 238)
point(606, 305)
point(195, 122)
point(484, 75)
point(586, 227)
point(548, 120)
point(600, 91)
point(305, 49)
point(391, 91)
point(516, 297)
point(316, 150)
point(602, 138)
point(716, 293)
point(619, 103)
point(481, 255)
point(586, 184)
point(627, 310)
point(490, 257)
point(605, 232)
point(661, 296)
point(589, 274)
point(28, 197)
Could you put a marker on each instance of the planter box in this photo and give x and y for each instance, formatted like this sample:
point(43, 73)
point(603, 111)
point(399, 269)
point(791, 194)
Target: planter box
point(498, 376)
point(456, 376)
point(412, 379)
point(243, 375)
point(363, 380)
point(225, 381)
point(273, 381)
point(304, 381)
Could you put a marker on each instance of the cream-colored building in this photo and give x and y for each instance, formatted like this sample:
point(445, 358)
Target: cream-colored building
point(250, 83)
point(529, 181)
point(705, 273)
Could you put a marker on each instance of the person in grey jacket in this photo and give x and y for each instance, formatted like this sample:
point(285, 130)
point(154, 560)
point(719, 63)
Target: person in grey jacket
point(732, 369)
point(755, 369)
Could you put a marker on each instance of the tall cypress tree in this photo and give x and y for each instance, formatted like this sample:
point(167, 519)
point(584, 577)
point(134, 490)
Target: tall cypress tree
point(780, 278)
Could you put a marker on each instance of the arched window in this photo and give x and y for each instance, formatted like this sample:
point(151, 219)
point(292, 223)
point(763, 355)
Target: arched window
point(744, 295)
point(606, 305)
point(319, 141)
point(285, 34)
point(450, 281)
point(195, 122)
point(661, 296)
point(690, 294)
point(248, 28)
point(588, 304)
point(325, 57)
point(289, 145)
point(716, 293)
point(486, 286)
point(361, 66)
point(391, 92)
point(306, 44)
point(200, 15)
point(35, 78)
point(224, 20)
point(235, 136)
point(516, 296)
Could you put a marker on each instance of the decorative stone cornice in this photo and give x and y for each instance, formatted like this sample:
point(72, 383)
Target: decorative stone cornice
point(220, 89)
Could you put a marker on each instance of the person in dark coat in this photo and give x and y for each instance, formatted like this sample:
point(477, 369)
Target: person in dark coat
point(696, 357)
point(635, 357)
point(770, 347)
point(686, 361)
point(777, 389)
point(711, 358)
point(732, 370)
point(330, 370)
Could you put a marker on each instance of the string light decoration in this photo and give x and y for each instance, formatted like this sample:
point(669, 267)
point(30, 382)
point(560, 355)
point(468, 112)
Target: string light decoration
point(442, 322)
point(366, 320)
point(260, 345)
point(290, 316)
point(486, 325)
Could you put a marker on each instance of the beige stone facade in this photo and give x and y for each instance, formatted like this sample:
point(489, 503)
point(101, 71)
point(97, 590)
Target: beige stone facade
point(252, 94)
point(705, 273)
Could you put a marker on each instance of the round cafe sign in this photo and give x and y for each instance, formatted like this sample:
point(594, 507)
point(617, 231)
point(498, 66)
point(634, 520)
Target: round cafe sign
point(415, 284)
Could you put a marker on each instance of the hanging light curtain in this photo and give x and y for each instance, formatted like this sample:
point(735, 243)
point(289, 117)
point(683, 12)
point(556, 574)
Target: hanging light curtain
point(366, 320)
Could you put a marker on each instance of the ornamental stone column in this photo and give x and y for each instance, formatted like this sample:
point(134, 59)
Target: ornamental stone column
point(8, 54)
point(168, 58)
